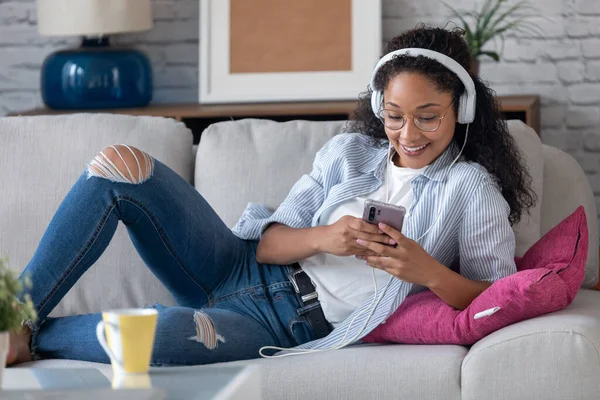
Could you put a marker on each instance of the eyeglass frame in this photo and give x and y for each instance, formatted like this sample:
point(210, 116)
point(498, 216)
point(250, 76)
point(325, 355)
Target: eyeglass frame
point(404, 118)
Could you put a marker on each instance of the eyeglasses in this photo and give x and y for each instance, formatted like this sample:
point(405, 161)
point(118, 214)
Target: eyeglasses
point(425, 121)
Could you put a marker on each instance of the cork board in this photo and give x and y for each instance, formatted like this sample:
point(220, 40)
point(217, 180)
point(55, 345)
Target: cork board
point(290, 36)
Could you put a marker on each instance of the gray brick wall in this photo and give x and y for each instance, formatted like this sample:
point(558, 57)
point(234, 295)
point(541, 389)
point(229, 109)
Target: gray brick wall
point(563, 66)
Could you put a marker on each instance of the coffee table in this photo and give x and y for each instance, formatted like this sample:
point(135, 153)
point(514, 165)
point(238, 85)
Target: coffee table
point(202, 382)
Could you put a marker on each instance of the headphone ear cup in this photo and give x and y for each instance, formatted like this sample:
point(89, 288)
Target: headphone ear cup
point(376, 99)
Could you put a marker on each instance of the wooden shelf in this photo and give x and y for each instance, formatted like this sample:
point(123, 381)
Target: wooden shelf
point(197, 117)
point(525, 108)
point(182, 111)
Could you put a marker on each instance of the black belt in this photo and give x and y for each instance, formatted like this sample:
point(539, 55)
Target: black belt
point(308, 295)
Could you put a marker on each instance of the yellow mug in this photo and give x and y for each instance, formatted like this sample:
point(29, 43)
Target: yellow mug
point(129, 338)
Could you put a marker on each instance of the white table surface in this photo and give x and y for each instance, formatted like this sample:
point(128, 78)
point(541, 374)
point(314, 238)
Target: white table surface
point(214, 383)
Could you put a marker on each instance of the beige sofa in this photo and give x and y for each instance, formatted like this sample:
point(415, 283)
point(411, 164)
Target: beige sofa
point(555, 356)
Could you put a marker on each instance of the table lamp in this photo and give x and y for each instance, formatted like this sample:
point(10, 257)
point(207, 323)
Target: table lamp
point(95, 75)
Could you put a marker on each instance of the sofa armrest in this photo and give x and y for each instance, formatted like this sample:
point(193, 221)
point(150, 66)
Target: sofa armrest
point(555, 356)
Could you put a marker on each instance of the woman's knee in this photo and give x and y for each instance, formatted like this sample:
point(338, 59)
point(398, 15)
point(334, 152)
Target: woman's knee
point(122, 163)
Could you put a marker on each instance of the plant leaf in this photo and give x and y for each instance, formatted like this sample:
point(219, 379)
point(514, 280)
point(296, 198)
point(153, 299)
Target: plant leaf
point(508, 12)
point(12, 311)
point(478, 17)
point(491, 14)
point(491, 54)
point(469, 37)
point(516, 25)
point(531, 28)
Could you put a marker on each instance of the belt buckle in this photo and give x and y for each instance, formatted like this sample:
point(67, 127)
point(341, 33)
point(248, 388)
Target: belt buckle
point(293, 280)
point(306, 297)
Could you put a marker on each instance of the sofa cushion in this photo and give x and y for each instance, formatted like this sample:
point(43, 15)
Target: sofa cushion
point(358, 372)
point(256, 160)
point(563, 250)
point(42, 157)
point(549, 276)
point(551, 357)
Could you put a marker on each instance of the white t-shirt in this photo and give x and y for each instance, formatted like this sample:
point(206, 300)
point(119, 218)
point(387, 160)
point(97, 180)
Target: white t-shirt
point(344, 283)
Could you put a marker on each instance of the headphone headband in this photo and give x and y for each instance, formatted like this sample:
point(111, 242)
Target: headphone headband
point(466, 107)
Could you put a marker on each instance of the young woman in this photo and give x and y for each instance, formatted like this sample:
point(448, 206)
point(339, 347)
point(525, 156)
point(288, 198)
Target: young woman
point(429, 138)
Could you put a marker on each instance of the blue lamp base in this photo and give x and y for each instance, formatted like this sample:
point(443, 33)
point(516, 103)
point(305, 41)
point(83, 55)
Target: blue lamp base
point(96, 76)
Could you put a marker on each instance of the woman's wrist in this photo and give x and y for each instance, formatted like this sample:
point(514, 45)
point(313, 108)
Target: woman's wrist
point(317, 239)
point(454, 289)
point(438, 276)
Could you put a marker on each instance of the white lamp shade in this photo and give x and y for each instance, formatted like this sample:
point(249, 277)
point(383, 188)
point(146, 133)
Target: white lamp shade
point(93, 17)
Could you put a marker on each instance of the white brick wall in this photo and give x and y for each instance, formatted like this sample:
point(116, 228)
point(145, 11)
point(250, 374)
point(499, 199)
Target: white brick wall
point(172, 47)
point(563, 66)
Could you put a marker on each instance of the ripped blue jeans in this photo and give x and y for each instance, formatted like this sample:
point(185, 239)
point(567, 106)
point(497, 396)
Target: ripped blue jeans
point(212, 274)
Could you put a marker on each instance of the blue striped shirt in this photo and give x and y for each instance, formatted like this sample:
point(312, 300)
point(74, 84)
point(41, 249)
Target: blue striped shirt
point(472, 234)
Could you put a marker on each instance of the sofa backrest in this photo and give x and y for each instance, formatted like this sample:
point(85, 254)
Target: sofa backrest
point(41, 158)
point(259, 160)
point(565, 188)
point(255, 160)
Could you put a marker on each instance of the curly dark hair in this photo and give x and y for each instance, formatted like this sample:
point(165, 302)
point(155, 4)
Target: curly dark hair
point(489, 143)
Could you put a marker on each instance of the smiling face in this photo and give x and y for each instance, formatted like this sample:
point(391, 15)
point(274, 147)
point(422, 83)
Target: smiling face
point(412, 95)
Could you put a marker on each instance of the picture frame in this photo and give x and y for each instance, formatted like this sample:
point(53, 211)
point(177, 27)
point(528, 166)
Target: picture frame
point(269, 51)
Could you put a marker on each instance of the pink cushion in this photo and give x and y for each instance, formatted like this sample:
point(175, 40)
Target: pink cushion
point(548, 278)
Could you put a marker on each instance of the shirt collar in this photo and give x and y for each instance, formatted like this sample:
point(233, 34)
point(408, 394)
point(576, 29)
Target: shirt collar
point(436, 171)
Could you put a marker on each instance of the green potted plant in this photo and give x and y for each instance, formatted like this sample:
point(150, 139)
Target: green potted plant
point(12, 311)
point(493, 20)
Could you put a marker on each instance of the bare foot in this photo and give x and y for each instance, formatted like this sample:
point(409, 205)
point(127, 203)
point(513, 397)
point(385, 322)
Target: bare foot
point(18, 347)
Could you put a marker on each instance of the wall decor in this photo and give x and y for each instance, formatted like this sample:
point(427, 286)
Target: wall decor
point(271, 50)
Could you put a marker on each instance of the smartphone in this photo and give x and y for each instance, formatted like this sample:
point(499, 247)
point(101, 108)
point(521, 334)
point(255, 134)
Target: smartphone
point(376, 211)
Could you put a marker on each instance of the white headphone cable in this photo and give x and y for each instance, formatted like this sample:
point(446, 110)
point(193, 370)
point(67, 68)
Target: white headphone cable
point(448, 171)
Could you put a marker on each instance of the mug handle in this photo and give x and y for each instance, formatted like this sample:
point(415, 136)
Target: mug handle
point(104, 343)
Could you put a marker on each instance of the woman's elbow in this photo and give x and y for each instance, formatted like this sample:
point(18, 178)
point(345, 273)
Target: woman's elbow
point(260, 253)
point(265, 252)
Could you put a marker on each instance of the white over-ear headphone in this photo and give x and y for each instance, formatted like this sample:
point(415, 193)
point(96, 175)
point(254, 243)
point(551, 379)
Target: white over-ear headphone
point(466, 106)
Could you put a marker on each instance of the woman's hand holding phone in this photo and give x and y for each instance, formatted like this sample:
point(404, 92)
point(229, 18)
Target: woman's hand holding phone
point(407, 261)
point(340, 238)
